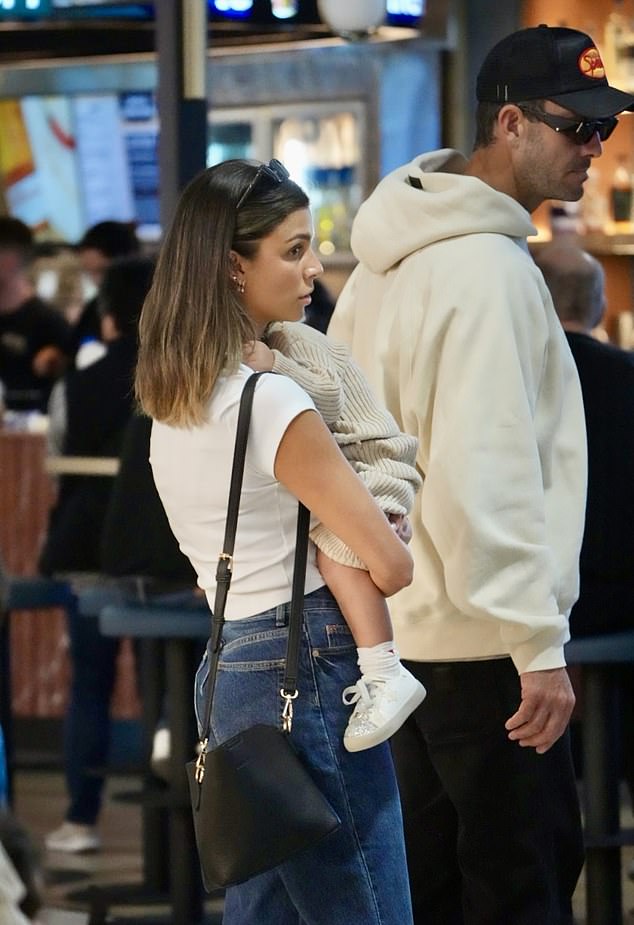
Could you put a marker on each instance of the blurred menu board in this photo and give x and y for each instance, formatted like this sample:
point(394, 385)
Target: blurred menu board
point(68, 162)
point(140, 131)
point(257, 12)
point(56, 9)
point(117, 146)
point(102, 159)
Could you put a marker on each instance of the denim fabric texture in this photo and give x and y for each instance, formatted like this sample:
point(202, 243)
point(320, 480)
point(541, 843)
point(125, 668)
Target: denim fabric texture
point(358, 874)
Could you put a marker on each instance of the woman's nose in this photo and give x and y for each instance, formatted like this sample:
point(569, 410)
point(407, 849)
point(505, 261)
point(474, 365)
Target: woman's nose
point(315, 269)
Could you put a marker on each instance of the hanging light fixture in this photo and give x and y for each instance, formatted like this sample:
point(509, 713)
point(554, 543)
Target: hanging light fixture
point(352, 19)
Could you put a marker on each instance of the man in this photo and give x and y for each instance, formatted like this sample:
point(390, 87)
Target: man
point(606, 597)
point(34, 337)
point(453, 323)
point(101, 244)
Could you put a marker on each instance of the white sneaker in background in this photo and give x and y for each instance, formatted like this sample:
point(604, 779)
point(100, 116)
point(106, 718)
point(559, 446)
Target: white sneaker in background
point(161, 750)
point(73, 838)
point(381, 707)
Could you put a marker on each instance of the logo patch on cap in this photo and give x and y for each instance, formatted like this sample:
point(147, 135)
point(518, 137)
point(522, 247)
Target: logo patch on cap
point(590, 63)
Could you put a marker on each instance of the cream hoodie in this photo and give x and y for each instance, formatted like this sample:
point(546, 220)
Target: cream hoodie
point(454, 326)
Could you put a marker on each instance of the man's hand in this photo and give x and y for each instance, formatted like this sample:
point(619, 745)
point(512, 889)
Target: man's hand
point(546, 707)
point(258, 356)
point(49, 362)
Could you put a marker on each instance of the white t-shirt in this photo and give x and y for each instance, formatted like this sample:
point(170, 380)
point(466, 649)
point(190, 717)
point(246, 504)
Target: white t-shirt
point(192, 471)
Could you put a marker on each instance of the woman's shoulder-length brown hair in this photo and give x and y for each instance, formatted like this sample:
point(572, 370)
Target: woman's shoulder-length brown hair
point(193, 325)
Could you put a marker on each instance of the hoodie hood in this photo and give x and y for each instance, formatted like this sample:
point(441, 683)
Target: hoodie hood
point(399, 218)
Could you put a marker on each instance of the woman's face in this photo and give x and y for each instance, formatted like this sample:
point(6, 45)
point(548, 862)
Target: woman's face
point(278, 280)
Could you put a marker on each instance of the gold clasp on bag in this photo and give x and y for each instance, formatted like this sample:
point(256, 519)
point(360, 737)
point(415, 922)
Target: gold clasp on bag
point(287, 712)
point(200, 762)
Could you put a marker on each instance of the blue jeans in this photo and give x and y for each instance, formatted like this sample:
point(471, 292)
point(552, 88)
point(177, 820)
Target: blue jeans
point(94, 657)
point(358, 874)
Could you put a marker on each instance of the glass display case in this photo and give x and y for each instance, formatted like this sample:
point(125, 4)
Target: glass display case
point(320, 144)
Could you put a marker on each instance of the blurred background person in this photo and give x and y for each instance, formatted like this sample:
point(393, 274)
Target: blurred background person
point(606, 372)
point(101, 244)
point(576, 283)
point(89, 412)
point(35, 340)
point(21, 873)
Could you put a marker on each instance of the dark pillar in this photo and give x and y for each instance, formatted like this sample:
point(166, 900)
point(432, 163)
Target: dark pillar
point(181, 44)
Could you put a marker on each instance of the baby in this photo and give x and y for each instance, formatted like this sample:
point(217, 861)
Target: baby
point(384, 458)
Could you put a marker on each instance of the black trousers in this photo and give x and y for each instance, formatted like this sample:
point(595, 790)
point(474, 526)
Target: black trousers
point(493, 830)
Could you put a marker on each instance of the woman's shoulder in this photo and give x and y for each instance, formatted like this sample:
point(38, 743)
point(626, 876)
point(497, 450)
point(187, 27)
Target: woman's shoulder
point(271, 389)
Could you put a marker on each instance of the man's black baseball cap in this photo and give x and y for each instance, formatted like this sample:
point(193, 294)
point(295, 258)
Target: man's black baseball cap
point(550, 63)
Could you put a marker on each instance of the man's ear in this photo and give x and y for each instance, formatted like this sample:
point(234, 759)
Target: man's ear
point(510, 121)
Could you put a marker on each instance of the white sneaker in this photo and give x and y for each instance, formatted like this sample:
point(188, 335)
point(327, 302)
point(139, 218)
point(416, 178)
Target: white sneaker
point(382, 706)
point(73, 838)
point(161, 751)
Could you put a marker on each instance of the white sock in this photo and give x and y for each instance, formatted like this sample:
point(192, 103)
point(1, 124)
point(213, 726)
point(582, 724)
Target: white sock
point(380, 662)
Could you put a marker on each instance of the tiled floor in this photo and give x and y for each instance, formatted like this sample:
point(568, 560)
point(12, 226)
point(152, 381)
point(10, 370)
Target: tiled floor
point(40, 802)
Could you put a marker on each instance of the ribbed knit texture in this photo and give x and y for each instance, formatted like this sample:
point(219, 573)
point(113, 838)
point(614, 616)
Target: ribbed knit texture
point(369, 437)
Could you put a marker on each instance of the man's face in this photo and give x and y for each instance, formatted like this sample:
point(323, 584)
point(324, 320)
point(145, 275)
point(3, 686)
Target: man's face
point(549, 164)
point(94, 263)
point(11, 267)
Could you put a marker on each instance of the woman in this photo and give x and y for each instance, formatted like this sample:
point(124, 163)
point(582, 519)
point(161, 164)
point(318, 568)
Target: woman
point(240, 229)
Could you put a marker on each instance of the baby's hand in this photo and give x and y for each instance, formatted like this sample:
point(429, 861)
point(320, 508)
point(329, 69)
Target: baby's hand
point(401, 526)
point(258, 356)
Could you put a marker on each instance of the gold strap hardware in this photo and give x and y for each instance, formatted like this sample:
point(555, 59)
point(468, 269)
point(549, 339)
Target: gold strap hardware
point(200, 762)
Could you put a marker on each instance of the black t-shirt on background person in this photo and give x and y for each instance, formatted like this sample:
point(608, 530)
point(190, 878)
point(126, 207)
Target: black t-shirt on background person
point(99, 402)
point(136, 537)
point(23, 333)
point(606, 599)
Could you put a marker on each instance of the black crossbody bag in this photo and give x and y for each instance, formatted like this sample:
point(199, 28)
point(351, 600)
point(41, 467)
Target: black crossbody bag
point(254, 803)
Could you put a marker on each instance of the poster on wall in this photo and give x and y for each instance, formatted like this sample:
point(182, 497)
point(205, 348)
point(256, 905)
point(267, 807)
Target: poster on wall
point(49, 124)
point(38, 165)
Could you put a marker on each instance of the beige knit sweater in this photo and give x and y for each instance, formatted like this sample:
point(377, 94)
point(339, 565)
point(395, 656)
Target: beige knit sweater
point(368, 435)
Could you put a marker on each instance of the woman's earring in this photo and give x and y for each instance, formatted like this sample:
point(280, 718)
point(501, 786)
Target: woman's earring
point(240, 285)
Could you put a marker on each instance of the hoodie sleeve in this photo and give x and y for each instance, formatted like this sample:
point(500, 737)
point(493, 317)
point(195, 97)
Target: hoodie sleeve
point(502, 389)
point(341, 325)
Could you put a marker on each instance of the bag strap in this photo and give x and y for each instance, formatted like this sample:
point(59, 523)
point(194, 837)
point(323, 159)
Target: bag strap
point(224, 569)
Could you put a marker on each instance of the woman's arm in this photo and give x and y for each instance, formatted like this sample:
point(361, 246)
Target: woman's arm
point(311, 466)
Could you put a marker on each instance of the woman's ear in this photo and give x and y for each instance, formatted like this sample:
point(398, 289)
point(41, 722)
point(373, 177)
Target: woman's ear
point(237, 272)
point(235, 262)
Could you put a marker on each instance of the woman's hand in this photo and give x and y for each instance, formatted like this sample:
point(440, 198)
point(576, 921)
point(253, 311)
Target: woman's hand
point(258, 356)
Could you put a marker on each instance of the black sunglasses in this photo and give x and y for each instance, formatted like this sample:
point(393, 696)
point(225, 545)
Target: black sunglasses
point(274, 170)
point(579, 132)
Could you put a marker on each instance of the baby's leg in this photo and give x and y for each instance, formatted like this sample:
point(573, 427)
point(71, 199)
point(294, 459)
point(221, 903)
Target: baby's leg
point(386, 693)
point(360, 601)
